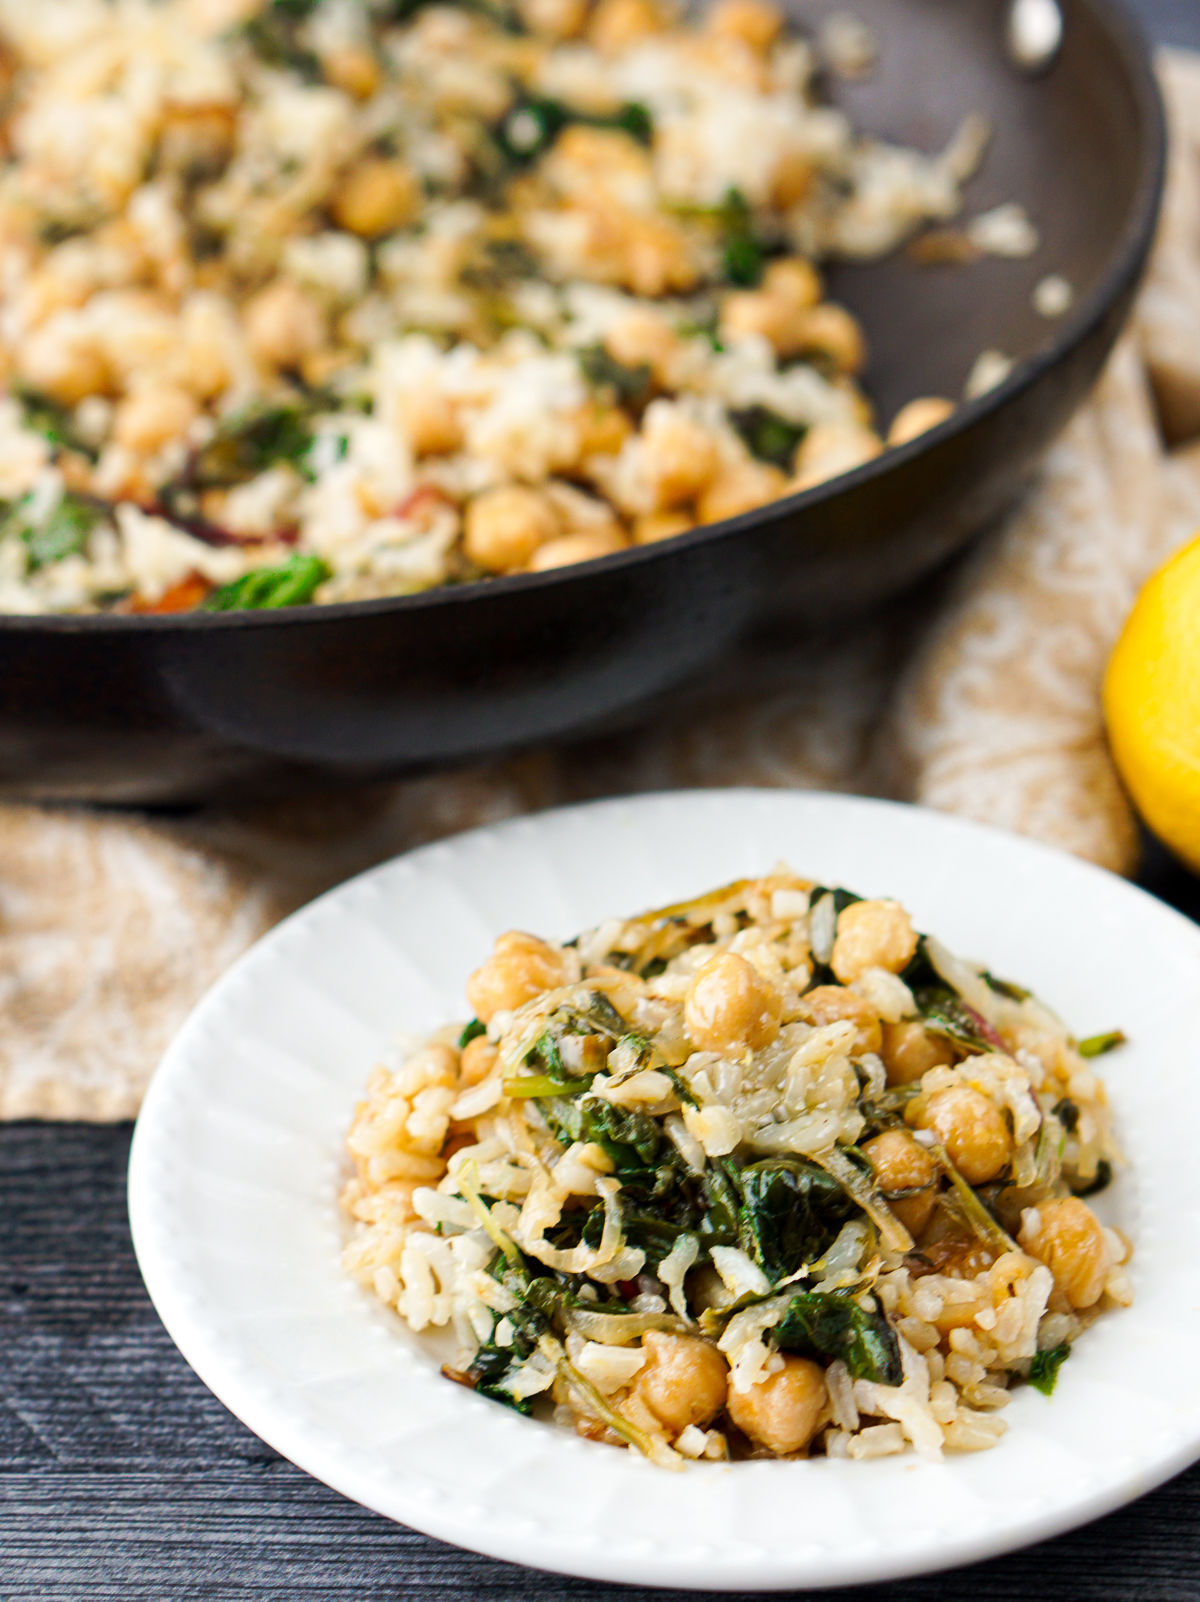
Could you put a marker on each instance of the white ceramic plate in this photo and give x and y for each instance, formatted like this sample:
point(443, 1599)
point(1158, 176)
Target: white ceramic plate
point(237, 1163)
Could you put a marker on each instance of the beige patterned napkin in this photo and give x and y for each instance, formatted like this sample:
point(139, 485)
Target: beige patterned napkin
point(111, 927)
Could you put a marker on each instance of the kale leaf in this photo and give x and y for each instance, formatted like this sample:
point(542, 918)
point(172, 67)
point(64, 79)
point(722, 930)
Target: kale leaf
point(292, 583)
point(831, 1324)
point(791, 1213)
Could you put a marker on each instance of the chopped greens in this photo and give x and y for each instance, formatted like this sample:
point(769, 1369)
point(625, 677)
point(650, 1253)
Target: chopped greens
point(471, 1031)
point(767, 435)
point(630, 386)
point(1043, 1371)
point(1099, 1045)
point(246, 445)
point(947, 1014)
point(534, 122)
point(1102, 1180)
point(54, 422)
point(791, 1212)
point(63, 532)
point(292, 583)
point(831, 1324)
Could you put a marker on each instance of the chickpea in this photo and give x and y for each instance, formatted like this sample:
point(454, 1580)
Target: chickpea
point(354, 70)
point(792, 179)
point(683, 1382)
point(430, 421)
point(643, 339)
point(376, 198)
point(149, 419)
point(1067, 1237)
point(505, 526)
point(729, 1005)
point(828, 1004)
point(681, 457)
point(794, 281)
point(972, 1129)
point(901, 1164)
point(909, 1051)
point(478, 1059)
point(66, 365)
point(782, 1411)
point(584, 545)
point(655, 526)
point(740, 488)
point(656, 257)
point(756, 23)
point(617, 24)
point(872, 934)
point(557, 19)
point(918, 417)
point(830, 331)
point(520, 967)
point(832, 448)
point(602, 430)
point(754, 313)
point(283, 324)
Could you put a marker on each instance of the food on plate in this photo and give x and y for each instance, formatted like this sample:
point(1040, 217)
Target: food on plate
point(322, 300)
point(1152, 704)
point(764, 1173)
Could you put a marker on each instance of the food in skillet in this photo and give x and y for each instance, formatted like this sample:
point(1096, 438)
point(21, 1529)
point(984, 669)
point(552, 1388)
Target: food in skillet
point(763, 1173)
point(320, 300)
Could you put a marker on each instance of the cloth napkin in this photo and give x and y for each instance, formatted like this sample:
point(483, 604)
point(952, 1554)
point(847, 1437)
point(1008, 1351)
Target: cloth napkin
point(984, 701)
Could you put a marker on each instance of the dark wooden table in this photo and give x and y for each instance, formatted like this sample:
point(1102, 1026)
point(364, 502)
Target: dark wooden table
point(123, 1480)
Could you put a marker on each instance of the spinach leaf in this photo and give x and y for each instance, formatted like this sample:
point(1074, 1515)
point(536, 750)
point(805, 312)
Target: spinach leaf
point(62, 533)
point(831, 1324)
point(272, 35)
point(292, 583)
point(743, 252)
point(1043, 1371)
point(791, 1213)
point(246, 445)
point(1098, 1045)
point(471, 1031)
point(1102, 1180)
point(767, 435)
point(533, 122)
point(1067, 1113)
point(631, 386)
point(54, 422)
point(947, 1014)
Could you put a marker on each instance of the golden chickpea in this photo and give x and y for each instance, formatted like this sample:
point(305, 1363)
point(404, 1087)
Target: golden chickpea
point(642, 339)
point(151, 418)
point(756, 23)
point(68, 367)
point(430, 421)
point(683, 1382)
point(754, 313)
point(584, 545)
point(918, 417)
point(909, 1051)
point(901, 1164)
point(792, 179)
point(556, 19)
point(655, 526)
point(376, 198)
point(354, 70)
point(971, 1128)
point(520, 967)
point(729, 1005)
point(794, 281)
point(283, 324)
point(618, 24)
point(505, 526)
point(681, 458)
point(478, 1059)
point(830, 331)
point(657, 258)
point(832, 448)
point(783, 1410)
point(1067, 1237)
point(872, 934)
point(740, 488)
point(602, 430)
point(828, 1004)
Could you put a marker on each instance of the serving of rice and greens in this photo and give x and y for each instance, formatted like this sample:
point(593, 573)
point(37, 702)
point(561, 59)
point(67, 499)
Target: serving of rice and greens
point(765, 1173)
point(324, 300)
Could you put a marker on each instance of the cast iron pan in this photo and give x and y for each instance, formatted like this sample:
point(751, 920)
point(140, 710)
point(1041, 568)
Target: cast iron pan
point(173, 709)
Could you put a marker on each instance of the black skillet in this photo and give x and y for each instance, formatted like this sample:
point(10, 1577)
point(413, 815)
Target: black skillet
point(172, 709)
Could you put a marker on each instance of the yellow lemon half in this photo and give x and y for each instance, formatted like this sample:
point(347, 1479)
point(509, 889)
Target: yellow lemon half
point(1152, 704)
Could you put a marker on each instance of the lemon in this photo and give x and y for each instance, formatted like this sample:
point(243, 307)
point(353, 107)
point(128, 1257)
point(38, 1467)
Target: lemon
point(1152, 704)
